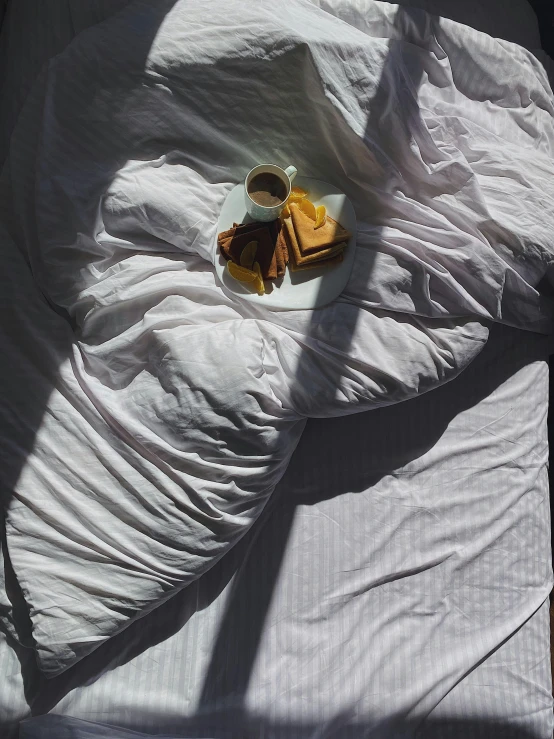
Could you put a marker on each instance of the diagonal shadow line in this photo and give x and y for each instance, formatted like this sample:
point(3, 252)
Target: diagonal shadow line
point(228, 677)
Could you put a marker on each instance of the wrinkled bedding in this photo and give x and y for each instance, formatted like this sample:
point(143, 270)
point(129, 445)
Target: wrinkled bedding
point(170, 408)
point(68, 728)
point(394, 572)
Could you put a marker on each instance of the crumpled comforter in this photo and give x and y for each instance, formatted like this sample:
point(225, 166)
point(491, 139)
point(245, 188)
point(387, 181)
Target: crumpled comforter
point(164, 410)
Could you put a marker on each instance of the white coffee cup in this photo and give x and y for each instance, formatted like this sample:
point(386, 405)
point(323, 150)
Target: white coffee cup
point(261, 212)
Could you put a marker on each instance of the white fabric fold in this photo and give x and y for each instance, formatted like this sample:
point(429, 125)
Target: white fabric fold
point(176, 408)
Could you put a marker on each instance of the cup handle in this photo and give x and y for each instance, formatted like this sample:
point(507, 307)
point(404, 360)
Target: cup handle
point(291, 172)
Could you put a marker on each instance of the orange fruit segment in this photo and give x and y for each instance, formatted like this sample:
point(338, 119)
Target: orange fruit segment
point(285, 213)
point(259, 284)
point(248, 254)
point(241, 273)
point(297, 193)
point(320, 216)
point(307, 207)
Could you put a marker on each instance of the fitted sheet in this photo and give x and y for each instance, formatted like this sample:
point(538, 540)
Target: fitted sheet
point(398, 581)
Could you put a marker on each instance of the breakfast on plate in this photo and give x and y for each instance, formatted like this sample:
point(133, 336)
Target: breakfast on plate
point(304, 237)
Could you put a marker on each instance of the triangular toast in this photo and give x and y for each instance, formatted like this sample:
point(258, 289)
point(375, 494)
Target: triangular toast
point(296, 254)
point(232, 247)
point(329, 262)
point(229, 239)
point(312, 239)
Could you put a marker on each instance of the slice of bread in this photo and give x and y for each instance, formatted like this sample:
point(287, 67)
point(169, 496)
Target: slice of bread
point(312, 239)
point(297, 256)
point(232, 247)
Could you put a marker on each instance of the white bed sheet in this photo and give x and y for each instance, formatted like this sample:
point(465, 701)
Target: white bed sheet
point(44, 30)
point(358, 671)
point(313, 624)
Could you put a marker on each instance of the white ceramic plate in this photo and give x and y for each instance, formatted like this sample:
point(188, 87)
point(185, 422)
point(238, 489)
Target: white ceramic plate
point(310, 288)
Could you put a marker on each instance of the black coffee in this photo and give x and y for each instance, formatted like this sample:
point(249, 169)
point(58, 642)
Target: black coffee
point(267, 189)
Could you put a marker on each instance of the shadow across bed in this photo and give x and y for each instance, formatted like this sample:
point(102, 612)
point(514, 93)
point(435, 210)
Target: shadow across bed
point(258, 557)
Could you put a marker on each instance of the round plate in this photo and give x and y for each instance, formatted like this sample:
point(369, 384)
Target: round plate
point(309, 288)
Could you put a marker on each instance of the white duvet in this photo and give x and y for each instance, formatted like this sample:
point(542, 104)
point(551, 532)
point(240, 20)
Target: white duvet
point(168, 410)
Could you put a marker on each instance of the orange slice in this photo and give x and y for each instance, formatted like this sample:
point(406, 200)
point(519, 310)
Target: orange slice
point(320, 216)
point(259, 284)
point(241, 273)
point(248, 254)
point(307, 207)
point(297, 193)
point(285, 213)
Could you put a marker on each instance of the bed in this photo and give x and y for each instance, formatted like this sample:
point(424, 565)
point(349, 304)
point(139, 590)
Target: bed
point(396, 582)
point(251, 646)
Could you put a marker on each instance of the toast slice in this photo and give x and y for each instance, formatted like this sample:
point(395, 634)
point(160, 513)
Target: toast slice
point(312, 239)
point(281, 254)
point(281, 244)
point(301, 259)
point(232, 246)
point(238, 229)
point(329, 262)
